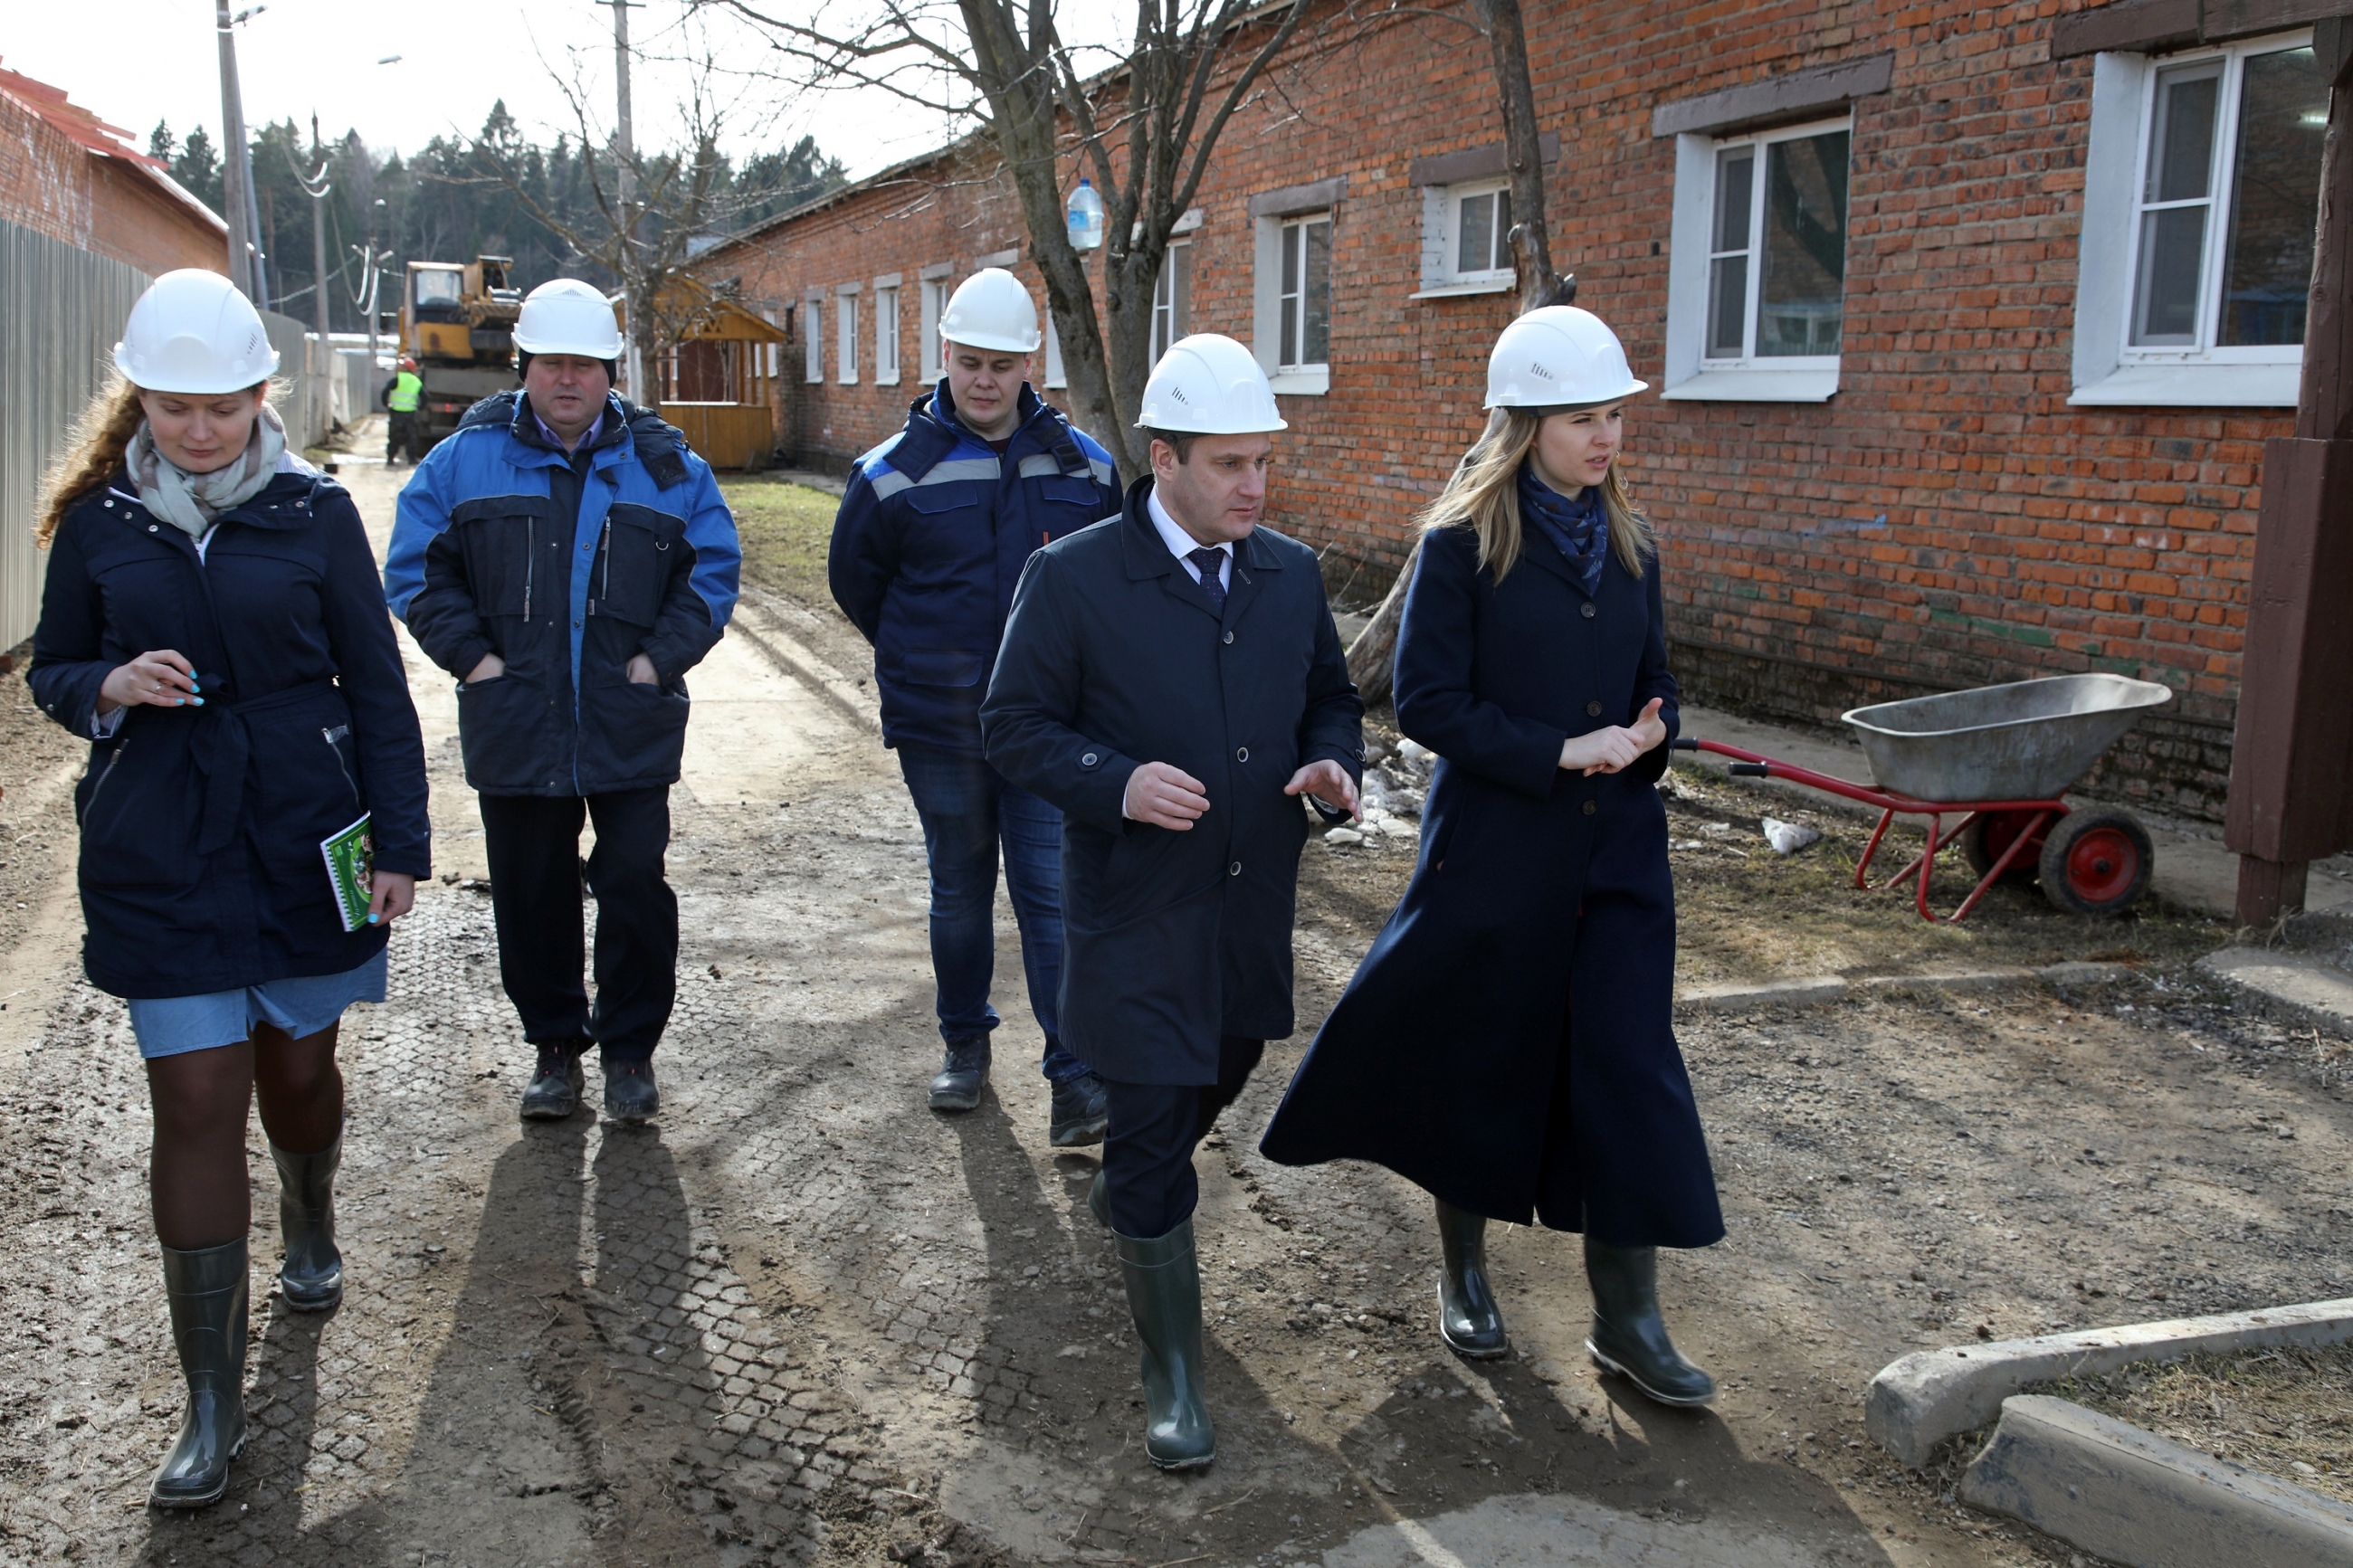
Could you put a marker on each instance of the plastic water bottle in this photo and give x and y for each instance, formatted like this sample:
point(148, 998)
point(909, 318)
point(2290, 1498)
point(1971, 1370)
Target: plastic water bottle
point(1086, 217)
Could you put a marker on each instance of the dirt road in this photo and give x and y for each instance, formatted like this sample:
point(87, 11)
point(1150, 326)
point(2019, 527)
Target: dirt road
point(800, 1319)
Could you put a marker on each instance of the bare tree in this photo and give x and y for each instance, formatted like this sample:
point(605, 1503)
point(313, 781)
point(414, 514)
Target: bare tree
point(1143, 130)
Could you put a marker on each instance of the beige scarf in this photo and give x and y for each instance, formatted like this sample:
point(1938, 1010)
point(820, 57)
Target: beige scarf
point(193, 503)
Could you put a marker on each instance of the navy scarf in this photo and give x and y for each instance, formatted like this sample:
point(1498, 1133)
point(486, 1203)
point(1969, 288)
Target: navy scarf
point(1579, 529)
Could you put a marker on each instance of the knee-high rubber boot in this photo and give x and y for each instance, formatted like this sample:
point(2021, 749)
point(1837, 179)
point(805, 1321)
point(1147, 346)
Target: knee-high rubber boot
point(313, 1278)
point(1164, 1293)
point(1468, 1319)
point(1629, 1336)
point(206, 1291)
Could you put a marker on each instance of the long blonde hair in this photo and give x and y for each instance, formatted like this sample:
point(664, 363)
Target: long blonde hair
point(1484, 497)
point(92, 453)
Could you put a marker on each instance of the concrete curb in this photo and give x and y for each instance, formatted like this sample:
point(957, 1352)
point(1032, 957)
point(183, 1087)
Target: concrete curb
point(2135, 1498)
point(1918, 1402)
point(2293, 987)
point(1828, 988)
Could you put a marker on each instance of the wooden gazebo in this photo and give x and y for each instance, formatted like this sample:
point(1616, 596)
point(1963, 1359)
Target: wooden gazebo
point(715, 383)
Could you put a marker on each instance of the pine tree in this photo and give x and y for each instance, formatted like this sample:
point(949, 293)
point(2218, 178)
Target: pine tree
point(198, 167)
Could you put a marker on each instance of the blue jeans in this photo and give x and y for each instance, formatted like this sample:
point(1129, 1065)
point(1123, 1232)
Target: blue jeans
point(968, 809)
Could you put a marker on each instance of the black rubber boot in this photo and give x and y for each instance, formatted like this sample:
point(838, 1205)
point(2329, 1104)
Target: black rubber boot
point(958, 1085)
point(1081, 1112)
point(206, 1291)
point(1164, 1293)
point(1468, 1319)
point(313, 1278)
point(555, 1083)
point(1629, 1336)
point(631, 1094)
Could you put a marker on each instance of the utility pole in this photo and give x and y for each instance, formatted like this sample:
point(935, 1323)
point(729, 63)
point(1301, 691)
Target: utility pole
point(625, 147)
point(317, 186)
point(235, 173)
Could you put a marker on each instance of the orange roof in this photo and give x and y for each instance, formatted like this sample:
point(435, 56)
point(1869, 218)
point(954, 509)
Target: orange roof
point(71, 119)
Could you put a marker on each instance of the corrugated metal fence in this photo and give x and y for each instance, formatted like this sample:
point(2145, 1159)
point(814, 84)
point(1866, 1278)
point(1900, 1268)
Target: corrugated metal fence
point(61, 309)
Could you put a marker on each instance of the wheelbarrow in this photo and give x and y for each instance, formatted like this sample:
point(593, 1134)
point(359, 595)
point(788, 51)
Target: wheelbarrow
point(2000, 757)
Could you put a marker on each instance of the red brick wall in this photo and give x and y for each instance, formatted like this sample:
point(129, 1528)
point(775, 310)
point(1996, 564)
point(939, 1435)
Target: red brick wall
point(2020, 537)
point(53, 184)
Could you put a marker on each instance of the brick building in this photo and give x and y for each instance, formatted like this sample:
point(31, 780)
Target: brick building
point(66, 173)
point(1965, 326)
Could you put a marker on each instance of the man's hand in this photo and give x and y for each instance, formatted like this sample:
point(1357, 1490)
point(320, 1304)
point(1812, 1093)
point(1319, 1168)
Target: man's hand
point(490, 669)
point(1328, 782)
point(641, 671)
point(394, 894)
point(1614, 747)
point(1164, 797)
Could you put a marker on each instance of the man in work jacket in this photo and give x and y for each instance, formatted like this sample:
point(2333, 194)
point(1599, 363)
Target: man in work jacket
point(935, 528)
point(569, 560)
point(402, 395)
point(1171, 679)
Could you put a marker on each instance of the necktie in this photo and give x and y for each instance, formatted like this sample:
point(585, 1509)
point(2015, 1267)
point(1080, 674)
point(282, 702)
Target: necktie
point(1213, 581)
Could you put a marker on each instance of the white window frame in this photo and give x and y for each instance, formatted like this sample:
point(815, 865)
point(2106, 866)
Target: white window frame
point(1441, 231)
point(937, 285)
point(1165, 328)
point(1692, 374)
point(886, 331)
point(1289, 380)
point(845, 335)
point(813, 338)
point(2109, 369)
point(1055, 378)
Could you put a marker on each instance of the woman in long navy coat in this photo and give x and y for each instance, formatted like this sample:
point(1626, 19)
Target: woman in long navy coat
point(1507, 1044)
point(212, 624)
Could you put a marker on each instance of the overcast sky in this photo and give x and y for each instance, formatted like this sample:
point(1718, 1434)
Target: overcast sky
point(134, 62)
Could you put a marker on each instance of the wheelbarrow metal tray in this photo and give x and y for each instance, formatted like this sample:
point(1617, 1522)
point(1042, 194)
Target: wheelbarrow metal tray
point(2029, 739)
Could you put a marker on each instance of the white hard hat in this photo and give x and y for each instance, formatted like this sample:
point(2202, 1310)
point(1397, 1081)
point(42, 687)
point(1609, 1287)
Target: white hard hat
point(990, 309)
point(1208, 385)
point(569, 317)
point(1558, 357)
point(191, 332)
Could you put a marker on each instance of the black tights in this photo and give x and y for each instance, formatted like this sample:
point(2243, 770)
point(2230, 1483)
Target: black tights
point(196, 1179)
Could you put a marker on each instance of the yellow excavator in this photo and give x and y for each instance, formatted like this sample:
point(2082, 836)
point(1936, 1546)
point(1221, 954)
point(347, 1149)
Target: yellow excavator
point(457, 322)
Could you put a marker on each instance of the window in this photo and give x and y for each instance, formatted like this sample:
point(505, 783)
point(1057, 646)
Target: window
point(1303, 338)
point(1479, 247)
point(813, 339)
point(936, 305)
point(886, 336)
point(2202, 187)
point(1172, 300)
point(845, 310)
point(1055, 379)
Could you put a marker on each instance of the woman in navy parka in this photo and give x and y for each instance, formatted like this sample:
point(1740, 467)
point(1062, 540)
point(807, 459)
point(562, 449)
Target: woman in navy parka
point(212, 623)
point(1506, 1042)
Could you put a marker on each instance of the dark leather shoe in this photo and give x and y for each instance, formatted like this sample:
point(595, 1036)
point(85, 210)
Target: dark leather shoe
point(1630, 1337)
point(1081, 1113)
point(629, 1091)
point(958, 1085)
point(1468, 1319)
point(555, 1084)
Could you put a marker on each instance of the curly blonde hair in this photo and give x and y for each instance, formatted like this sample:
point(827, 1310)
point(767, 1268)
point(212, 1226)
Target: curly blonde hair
point(1484, 497)
point(92, 453)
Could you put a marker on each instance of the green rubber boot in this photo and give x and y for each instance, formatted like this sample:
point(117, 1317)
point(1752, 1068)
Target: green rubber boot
point(1468, 1319)
point(207, 1291)
point(1629, 1337)
point(1164, 1293)
point(313, 1278)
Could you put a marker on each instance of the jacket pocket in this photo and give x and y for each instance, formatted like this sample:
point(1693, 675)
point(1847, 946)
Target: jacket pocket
point(138, 805)
point(941, 667)
point(631, 733)
point(504, 730)
point(637, 551)
point(501, 541)
point(1076, 501)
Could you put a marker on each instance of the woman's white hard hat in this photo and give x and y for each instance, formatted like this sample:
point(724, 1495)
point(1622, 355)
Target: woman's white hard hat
point(1209, 386)
point(192, 332)
point(991, 310)
point(1558, 357)
point(569, 317)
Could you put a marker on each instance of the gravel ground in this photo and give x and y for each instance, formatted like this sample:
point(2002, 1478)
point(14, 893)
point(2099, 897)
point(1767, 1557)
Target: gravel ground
point(799, 1319)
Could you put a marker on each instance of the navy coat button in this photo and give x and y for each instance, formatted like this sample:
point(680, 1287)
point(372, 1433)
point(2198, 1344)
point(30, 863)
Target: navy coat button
point(1591, 808)
point(1230, 637)
point(1241, 753)
point(1586, 609)
point(1088, 761)
point(1593, 709)
point(1235, 869)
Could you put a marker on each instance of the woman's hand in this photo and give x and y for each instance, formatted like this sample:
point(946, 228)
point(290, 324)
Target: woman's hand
point(1614, 747)
point(395, 896)
point(161, 677)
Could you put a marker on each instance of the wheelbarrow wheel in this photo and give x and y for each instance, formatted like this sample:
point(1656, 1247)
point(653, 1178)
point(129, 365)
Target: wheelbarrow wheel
point(1989, 836)
point(2096, 862)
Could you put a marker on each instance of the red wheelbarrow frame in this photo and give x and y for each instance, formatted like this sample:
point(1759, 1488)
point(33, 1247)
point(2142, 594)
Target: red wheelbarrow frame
point(1752, 764)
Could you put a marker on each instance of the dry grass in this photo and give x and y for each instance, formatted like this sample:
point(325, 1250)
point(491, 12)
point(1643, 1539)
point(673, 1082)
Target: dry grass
point(2288, 1412)
point(786, 529)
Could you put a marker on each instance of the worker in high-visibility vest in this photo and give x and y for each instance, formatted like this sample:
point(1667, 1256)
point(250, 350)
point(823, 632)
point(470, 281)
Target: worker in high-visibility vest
point(402, 395)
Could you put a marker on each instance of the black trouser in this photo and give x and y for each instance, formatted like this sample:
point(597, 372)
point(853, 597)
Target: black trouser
point(1148, 1149)
point(534, 847)
point(400, 432)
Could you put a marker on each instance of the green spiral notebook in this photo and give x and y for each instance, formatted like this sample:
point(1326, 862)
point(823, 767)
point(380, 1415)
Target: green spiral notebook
point(351, 857)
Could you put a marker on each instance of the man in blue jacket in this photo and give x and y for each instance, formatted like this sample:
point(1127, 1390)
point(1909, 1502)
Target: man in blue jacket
point(935, 526)
point(568, 559)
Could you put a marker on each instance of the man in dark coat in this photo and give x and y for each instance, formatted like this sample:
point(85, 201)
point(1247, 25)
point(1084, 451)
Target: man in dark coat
point(1171, 679)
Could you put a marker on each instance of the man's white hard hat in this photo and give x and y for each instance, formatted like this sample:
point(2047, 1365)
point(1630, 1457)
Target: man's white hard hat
point(1558, 357)
point(1209, 386)
point(191, 332)
point(991, 310)
point(569, 317)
